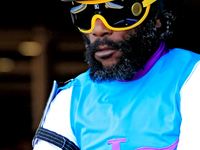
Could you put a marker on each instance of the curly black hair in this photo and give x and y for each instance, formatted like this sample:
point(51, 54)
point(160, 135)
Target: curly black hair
point(170, 16)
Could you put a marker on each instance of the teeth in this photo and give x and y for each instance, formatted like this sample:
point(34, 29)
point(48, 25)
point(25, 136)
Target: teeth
point(104, 53)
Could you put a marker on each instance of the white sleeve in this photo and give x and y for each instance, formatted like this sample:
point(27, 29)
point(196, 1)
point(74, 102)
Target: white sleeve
point(58, 120)
point(190, 111)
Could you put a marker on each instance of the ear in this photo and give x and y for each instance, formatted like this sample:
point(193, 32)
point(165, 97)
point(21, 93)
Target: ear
point(158, 23)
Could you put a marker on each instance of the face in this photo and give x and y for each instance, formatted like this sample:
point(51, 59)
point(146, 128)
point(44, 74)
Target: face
point(107, 55)
point(118, 55)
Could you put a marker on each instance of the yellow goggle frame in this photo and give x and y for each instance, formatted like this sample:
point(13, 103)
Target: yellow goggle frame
point(95, 17)
point(146, 3)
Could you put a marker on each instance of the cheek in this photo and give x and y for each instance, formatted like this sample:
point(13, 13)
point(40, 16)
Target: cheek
point(87, 36)
point(90, 37)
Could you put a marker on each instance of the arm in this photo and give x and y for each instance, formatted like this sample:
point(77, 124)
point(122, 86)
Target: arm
point(190, 111)
point(56, 120)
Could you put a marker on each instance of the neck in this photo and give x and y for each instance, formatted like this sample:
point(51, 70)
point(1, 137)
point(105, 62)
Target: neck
point(162, 50)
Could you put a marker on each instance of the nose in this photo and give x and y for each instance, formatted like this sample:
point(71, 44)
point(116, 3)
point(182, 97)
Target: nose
point(100, 30)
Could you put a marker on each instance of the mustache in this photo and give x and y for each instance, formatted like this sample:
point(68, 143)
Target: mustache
point(94, 47)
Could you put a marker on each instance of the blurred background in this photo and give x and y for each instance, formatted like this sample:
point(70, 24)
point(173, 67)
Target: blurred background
point(39, 44)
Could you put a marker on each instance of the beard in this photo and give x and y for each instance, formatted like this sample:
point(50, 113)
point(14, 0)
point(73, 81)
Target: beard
point(136, 47)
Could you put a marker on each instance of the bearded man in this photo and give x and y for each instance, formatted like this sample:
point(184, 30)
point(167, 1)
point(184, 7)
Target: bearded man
point(137, 95)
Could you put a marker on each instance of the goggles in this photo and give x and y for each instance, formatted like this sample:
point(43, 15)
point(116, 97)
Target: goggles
point(117, 15)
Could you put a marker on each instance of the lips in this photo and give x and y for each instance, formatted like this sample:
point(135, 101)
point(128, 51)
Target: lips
point(107, 56)
point(104, 53)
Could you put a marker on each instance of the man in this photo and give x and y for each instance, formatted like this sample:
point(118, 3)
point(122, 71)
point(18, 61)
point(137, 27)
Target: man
point(137, 94)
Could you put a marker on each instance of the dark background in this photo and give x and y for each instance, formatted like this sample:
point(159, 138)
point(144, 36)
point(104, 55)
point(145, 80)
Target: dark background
point(48, 23)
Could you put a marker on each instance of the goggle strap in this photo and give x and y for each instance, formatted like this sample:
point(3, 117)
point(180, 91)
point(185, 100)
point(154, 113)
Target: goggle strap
point(161, 8)
point(147, 2)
